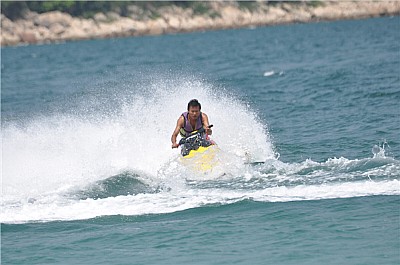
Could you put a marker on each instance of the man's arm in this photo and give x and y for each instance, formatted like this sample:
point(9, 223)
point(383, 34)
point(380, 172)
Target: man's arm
point(179, 125)
point(206, 123)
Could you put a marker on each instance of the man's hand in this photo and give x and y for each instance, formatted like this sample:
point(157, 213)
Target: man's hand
point(175, 145)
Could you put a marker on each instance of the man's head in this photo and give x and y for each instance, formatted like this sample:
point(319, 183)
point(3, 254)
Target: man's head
point(194, 108)
point(193, 103)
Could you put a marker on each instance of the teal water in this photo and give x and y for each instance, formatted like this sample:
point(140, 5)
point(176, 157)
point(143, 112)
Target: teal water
point(307, 121)
point(260, 233)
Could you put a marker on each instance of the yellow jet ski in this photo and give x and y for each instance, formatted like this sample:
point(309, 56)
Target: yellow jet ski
point(198, 152)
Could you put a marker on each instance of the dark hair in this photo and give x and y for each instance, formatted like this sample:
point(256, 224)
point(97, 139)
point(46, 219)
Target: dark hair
point(194, 103)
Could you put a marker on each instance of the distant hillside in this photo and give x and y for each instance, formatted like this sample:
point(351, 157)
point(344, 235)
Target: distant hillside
point(25, 22)
point(87, 9)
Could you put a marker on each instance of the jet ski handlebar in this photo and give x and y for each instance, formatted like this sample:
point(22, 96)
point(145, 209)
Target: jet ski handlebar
point(198, 132)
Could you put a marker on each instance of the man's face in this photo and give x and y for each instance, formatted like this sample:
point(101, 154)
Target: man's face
point(194, 112)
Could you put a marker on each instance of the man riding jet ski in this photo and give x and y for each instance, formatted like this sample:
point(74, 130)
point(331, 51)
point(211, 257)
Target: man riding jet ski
point(194, 127)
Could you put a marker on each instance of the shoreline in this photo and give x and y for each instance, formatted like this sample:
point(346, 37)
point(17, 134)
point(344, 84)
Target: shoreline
point(55, 26)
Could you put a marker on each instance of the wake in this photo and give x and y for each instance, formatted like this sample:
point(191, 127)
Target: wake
point(120, 162)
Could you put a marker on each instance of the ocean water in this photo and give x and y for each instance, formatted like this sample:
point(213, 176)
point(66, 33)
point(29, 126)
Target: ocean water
point(307, 122)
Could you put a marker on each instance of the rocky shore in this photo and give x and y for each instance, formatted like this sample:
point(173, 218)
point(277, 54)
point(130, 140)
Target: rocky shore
point(56, 26)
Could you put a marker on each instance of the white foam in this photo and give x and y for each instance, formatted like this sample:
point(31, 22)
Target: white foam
point(269, 73)
point(53, 154)
point(48, 209)
point(51, 157)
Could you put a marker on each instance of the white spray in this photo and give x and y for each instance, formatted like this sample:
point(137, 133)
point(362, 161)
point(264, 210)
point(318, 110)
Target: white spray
point(53, 154)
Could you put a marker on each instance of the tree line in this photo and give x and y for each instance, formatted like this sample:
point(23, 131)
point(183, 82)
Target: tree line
point(86, 9)
point(16, 9)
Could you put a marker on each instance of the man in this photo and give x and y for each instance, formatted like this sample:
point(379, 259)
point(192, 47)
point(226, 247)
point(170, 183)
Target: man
point(190, 121)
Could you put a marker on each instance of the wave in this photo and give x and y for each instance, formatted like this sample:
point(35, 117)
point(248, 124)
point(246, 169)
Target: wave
point(119, 161)
point(163, 202)
point(63, 151)
point(132, 194)
point(126, 183)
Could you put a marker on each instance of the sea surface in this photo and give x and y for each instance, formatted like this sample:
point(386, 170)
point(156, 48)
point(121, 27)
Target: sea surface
point(307, 122)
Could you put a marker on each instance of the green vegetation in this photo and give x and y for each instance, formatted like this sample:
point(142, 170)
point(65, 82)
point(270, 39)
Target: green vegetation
point(315, 3)
point(145, 9)
point(249, 5)
point(200, 8)
point(16, 9)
